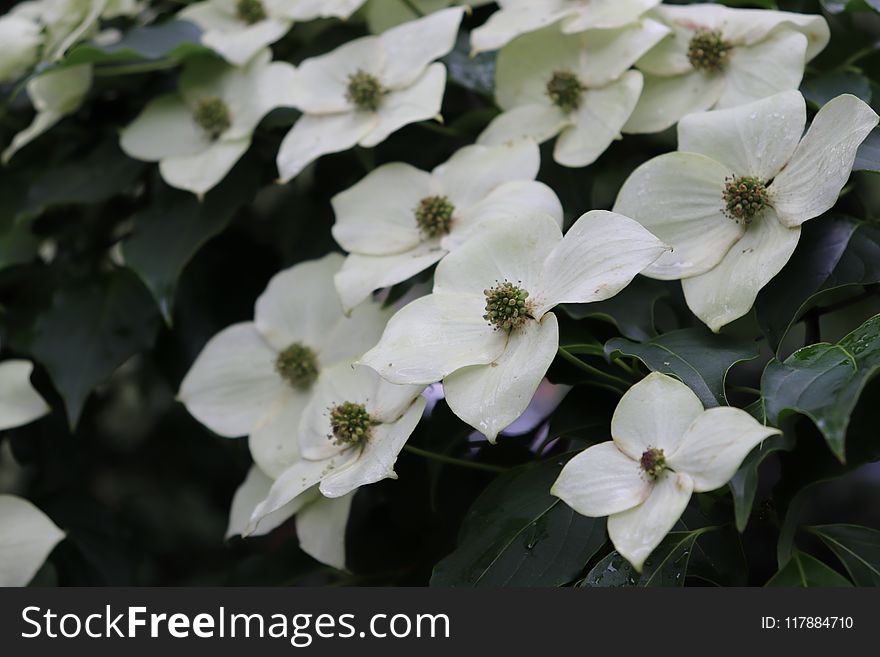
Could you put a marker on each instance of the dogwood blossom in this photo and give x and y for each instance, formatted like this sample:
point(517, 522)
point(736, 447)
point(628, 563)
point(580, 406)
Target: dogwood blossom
point(731, 201)
point(517, 17)
point(722, 57)
point(487, 330)
point(573, 85)
point(62, 23)
point(198, 133)
point(664, 447)
point(400, 220)
point(237, 29)
point(367, 89)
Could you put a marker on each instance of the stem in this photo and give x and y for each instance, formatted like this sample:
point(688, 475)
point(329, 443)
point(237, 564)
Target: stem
point(413, 8)
point(577, 362)
point(746, 389)
point(451, 460)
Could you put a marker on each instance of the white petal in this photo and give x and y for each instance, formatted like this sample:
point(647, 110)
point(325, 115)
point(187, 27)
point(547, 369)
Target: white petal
point(655, 412)
point(513, 19)
point(377, 459)
point(636, 532)
point(353, 334)
point(19, 402)
point(274, 440)
point(750, 26)
point(418, 102)
point(232, 383)
point(715, 445)
point(433, 336)
point(165, 128)
point(606, 14)
point(811, 182)
point(490, 397)
point(201, 172)
point(27, 537)
point(752, 140)
point(251, 492)
point(306, 10)
point(410, 47)
point(606, 54)
point(21, 40)
point(254, 91)
point(727, 291)
point(42, 123)
point(598, 257)
point(536, 122)
point(598, 121)
point(376, 216)
point(314, 135)
point(665, 100)
point(320, 527)
point(679, 198)
point(600, 481)
point(237, 47)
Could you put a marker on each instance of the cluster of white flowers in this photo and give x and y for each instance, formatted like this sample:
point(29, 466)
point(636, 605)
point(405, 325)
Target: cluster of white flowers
point(327, 384)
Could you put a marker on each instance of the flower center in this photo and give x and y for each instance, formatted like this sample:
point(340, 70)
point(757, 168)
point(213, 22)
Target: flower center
point(298, 365)
point(565, 90)
point(708, 51)
point(434, 215)
point(653, 462)
point(507, 308)
point(744, 197)
point(351, 423)
point(250, 11)
point(365, 91)
point(212, 115)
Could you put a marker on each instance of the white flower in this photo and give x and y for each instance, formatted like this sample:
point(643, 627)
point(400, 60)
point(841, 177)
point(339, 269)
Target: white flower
point(721, 57)
point(400, 220)
point(63, 22)
point(521, 16)
point(486, 330)
point(368, 88)
point(732, 200)
point(576, 86)
point(54, 95)
point(237, 29)
point(665, 447)
point(19, 402)
point(27, 536)
point(198, 133)
point(21, 39)
point(349, 436)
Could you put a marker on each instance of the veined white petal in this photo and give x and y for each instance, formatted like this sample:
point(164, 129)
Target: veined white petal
point(251, 492)
point(274, 440)
point(537, 122)
point(411, 46)
point(165, 128)
point(515, 18)
point(306, 10)
point(19, 402)
point(27, 537)
point(320, 527)
point(21, 39)
point(238, 46)
point(605, 14)
point(665, 100)
point(600, 481)
point(606, 54)
point(750, 26)
point(200, 172)
point(352, 334)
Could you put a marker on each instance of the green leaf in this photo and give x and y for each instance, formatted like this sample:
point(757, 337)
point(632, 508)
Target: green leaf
point(819, 89)
point(631, 311)
point(834, 252)
point(699, 358)
point(858, 549)
point(517, 534)
point(744, 483)
point(824, 381)
point(806, 571)
point(174, 39)
point(90, 329)
point(868, 155)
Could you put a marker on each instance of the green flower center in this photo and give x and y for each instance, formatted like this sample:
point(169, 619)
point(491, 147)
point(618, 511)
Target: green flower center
point(298, 365)
point(507, 308)
point(351, 423)
point(250, 11)
point(434, 215)
point(212, 115)
point(653, 462)
point(565, 90)
point(365, 91)
point(708, 51)
point(744, 197)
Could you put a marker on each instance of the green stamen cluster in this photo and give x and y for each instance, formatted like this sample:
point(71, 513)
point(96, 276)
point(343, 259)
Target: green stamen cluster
point(744, 197)
point(653, 462)
point(212, 115)
point(565, 90)
point(365, 91)
point(250, 11)
point(298, 365)
point(434, 215)
point(507, 308)
point(351, 423)
point(708, 51)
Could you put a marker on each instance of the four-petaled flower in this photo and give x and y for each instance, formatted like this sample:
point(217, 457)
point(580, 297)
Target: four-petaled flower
point(664, 447)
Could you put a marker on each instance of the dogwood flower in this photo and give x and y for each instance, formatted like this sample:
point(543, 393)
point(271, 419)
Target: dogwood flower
point(62, 22)
point(722, 57)
point(256, 378)
point(400, 220)
point(664, 447)
point(237, 29)
point(368, 88)
point(517, 17)
point(487, 330)
point(22, 40)
point(732, 200)
point(198, 133)
point(349, 436)
point(27, 536)
point(573, 85)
